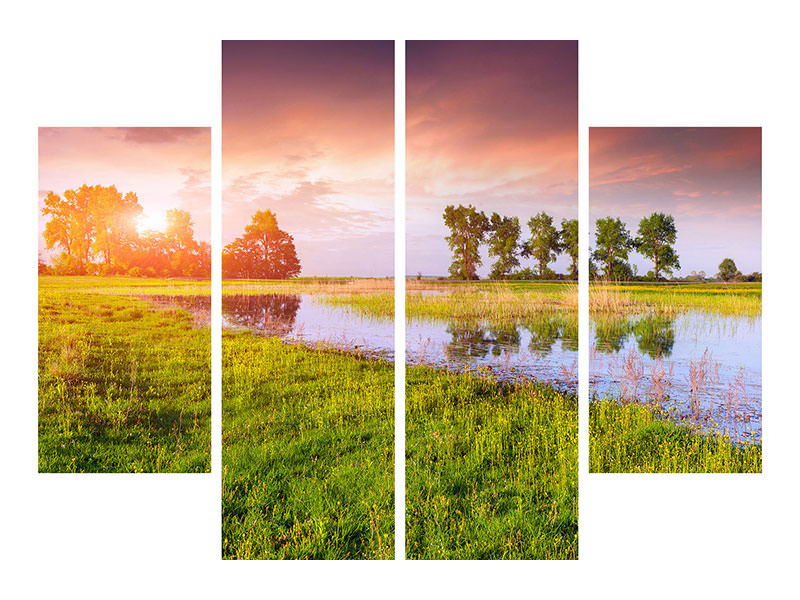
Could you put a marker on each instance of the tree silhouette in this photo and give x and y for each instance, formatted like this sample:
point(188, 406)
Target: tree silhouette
point(264, 251)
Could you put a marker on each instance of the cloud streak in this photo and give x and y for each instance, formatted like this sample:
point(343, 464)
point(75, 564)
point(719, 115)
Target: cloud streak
point(490, 123)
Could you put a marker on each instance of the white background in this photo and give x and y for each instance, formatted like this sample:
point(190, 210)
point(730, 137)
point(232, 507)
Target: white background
point(158, 63)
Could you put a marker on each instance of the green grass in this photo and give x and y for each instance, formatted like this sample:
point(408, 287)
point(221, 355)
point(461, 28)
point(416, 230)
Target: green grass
point(124, 286)
point(738, 299)
point(497, 302)
point(123, 386)
point(491, 469)
point(635, 438)
point(307, 452)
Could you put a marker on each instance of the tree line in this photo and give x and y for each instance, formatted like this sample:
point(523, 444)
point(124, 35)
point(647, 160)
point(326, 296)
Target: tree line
point(264, 251)
point(94, 227)
point(654, 240)
point(471, 228)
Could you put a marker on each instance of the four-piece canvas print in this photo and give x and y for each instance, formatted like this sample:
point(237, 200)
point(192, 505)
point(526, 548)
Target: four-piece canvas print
point(307, 303)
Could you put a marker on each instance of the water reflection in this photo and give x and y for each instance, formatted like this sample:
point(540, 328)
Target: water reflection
point(545, 349)
point(705, 369)
point(655, 336)
point(269, 314)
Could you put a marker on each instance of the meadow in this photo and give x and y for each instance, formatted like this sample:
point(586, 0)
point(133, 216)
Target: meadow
point(675, 377)
point(124, 385)
point(307, 452)
point(491, 468)
point(491, 454)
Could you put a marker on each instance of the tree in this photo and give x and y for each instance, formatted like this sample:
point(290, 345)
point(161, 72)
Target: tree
point(468, 229)
point(114, 218)
point(654, 240)
point(613, 243)
point(70, 228)
point(264, 251)
point(544, 244)
point(503, 243)
point(568, 242)
point(728, 270)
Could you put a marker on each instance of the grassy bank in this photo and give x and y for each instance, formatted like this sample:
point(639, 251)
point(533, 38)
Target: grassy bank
point(738, 299)
point(501, 303)
point(123, 386)
point(634, 438)
point(491, 469)
point(307, 452)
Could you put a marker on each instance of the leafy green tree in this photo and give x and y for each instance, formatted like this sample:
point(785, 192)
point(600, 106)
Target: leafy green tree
point(504, 244)
point(728, 270)
point(654, 239)
point(613, 243)
point(468, 229)
point(264, 251)
point(568, 242)
point(544, 243)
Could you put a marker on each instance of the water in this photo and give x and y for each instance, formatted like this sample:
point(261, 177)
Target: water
point(705, 369)
point(307, 319)
point(546, 349)
point(302, 318)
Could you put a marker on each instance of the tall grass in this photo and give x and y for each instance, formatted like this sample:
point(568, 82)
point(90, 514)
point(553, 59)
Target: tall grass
point(491, 468)
point(496, 303)
point(742, 299)
point(307, 452)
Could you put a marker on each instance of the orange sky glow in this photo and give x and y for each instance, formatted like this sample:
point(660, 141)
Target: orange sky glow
point(308, 132)
point(167, 167)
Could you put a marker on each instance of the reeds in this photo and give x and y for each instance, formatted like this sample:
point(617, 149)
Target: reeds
point(724, 299)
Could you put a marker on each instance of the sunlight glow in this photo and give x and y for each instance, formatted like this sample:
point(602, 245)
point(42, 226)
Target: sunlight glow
point(151, 222)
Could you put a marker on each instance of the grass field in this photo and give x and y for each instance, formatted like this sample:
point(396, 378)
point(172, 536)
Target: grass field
point(308, 452)
point(123, 386)
point(635, 438)
point(491, 469)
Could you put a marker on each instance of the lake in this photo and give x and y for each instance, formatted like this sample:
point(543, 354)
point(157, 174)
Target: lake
point(705, 369)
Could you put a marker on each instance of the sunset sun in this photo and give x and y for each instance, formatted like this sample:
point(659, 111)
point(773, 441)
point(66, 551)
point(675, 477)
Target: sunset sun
point(151, 222)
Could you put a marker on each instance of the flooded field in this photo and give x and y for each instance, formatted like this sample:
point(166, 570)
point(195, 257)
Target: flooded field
point(546, 350)
point(703, 368)
point(305, 318)
point(513, 334)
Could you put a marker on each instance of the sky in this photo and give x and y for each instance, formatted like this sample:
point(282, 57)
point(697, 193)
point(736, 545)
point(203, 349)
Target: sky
point(308, 132)
point(707, 178)
point(493, 124)
point(167, 167)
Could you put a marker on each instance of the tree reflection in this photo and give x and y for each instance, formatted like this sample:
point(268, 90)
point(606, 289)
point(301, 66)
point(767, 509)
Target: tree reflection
point(467, 341)
point(611, 334)
point(271, 314)
point(655, 336)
